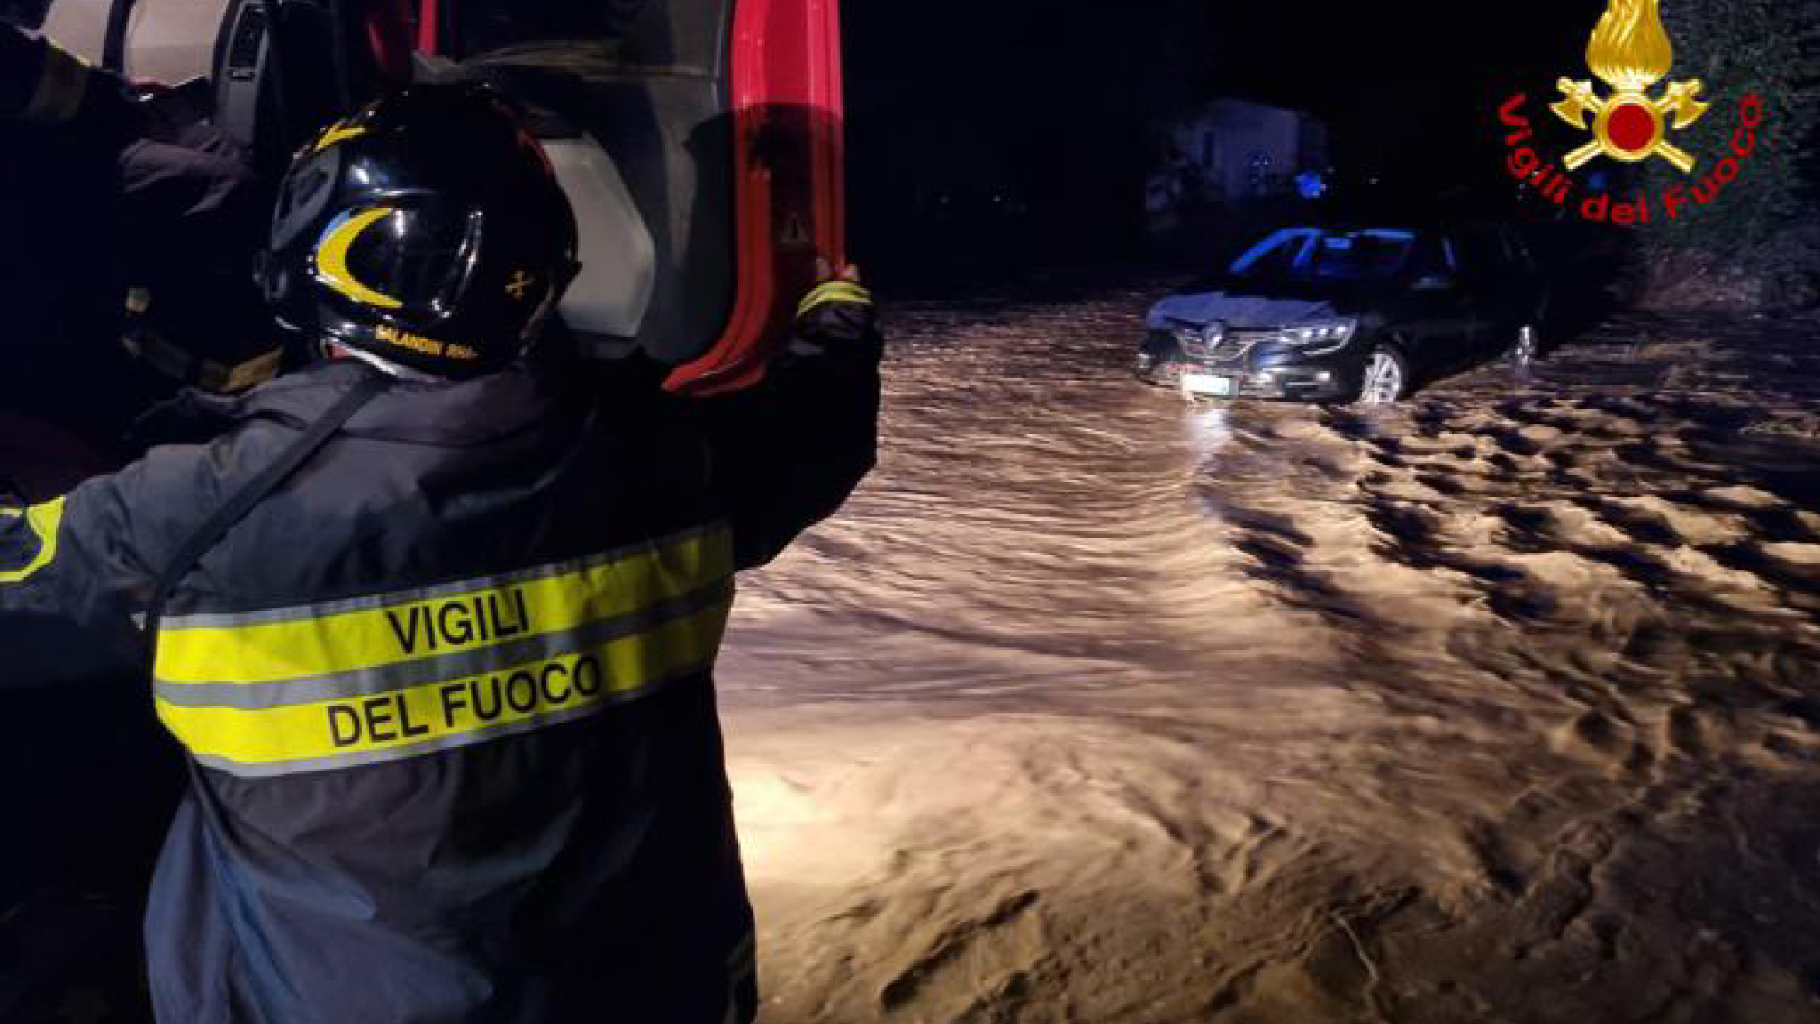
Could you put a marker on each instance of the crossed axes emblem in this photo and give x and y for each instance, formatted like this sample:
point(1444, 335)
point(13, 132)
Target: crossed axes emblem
point(1630, 126)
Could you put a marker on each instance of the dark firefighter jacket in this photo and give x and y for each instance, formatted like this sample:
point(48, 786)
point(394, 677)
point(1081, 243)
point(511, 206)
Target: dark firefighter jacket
point(446, 694)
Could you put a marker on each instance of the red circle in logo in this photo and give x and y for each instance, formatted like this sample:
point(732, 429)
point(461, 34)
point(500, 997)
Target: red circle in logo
point(1631, 127)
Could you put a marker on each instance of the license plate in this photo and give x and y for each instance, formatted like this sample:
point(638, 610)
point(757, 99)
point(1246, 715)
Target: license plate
point(1206, 384)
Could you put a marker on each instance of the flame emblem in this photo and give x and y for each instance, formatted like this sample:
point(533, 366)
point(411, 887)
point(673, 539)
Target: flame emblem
point(1630, 51)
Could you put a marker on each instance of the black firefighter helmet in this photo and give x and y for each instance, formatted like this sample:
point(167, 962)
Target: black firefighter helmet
point(428, 230)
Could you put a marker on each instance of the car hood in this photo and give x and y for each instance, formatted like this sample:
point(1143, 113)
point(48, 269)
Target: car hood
point(1249, 306)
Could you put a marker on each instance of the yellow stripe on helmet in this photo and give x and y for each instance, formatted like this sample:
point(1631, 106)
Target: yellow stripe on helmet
point(332, 257)
point(338, 132)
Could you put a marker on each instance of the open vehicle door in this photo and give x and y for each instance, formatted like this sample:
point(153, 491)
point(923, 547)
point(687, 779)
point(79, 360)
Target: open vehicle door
point(700, 141)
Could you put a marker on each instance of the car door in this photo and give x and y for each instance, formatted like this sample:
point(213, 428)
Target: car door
point(1496, 289)
point(1531, 294)
point(1437, 315)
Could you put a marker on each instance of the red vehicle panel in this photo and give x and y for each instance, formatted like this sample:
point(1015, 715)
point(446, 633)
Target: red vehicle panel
point(790, 180)
point(789, 203)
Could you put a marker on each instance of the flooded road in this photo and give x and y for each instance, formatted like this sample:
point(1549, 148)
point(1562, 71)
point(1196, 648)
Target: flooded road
point(1095, 705)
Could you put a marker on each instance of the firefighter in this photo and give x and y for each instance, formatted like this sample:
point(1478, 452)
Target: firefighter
point(59, 190)
point(76, 856)
point(435, 623)
point(130, 222)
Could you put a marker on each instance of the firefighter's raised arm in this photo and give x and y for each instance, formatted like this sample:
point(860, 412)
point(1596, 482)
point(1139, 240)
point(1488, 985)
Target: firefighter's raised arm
point(789, 451)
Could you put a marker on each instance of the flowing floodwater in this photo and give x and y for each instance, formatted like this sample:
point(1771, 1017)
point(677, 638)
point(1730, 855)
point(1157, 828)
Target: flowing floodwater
point(1095, 705)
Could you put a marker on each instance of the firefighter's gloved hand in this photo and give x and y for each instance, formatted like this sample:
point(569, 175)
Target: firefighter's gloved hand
point(836, 314)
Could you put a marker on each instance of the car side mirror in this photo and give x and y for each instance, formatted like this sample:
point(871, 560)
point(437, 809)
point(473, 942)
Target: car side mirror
point(1435, 283)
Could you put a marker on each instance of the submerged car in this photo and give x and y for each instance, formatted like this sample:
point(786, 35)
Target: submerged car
point(1346, 314)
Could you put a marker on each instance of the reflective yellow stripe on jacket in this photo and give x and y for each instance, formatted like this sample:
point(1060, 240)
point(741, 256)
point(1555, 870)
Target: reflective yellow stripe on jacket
point(398, 675)
point(61, 87)
point(833, 291)
point(43, 521)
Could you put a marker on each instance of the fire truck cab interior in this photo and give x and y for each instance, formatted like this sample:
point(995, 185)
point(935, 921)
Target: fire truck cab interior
point(699, 140)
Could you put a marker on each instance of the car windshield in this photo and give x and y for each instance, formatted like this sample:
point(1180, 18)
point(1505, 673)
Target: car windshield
point(1312, 254)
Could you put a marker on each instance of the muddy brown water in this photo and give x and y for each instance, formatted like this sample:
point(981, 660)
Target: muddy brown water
point(1098, 705)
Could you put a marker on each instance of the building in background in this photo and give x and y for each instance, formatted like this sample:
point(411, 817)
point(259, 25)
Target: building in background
point(1232, 154)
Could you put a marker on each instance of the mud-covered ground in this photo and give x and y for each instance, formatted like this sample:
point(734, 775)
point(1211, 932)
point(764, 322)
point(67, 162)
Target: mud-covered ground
point(1097, 706)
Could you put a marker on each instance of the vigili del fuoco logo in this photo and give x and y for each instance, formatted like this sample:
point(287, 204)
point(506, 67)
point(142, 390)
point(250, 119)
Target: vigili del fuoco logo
point(1631, 53)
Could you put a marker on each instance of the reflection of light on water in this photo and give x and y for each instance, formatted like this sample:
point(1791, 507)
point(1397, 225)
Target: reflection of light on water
point(774, 825)
point(1209, 430)
point(787, 835)
point(1313, 642)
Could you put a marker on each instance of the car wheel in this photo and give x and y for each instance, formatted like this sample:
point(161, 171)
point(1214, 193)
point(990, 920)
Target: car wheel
point(1524, 348)
point(1386, 377)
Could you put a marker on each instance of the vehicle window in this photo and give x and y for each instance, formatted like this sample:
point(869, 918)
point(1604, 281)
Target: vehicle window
point(1307, 253)
point(1362, 256)
point(1430, 258)
point(1482, 253)
point(1276, 255)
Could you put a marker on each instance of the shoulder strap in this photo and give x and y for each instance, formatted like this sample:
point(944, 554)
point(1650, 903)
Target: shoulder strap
point(255, 491)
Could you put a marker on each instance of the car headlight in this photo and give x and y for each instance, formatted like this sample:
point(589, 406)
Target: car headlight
point(1318, 338)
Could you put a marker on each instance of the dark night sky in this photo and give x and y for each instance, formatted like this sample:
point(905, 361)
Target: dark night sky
point(1052, 99)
